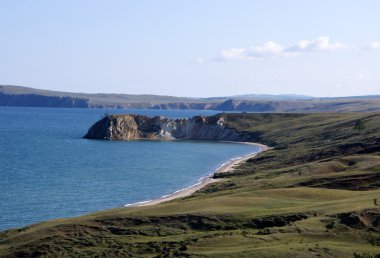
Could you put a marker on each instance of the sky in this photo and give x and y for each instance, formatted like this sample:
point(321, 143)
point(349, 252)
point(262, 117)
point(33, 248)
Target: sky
point(197, 48)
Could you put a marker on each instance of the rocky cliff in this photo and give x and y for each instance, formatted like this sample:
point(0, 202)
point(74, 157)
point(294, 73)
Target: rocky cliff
point(131, 127)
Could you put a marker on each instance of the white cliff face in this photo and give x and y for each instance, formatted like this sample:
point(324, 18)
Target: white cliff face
point(167, 128)
point(129, 127)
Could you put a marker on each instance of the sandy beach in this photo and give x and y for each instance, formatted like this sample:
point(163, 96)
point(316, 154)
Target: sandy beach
point(203, 181)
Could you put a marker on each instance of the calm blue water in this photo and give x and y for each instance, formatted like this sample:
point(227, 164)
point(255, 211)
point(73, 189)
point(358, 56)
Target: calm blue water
point(48, 171)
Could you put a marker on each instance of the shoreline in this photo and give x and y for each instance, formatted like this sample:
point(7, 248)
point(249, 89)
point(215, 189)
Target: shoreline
point(203, 181)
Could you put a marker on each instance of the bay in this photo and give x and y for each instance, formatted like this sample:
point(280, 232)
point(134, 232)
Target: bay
point(48, 170)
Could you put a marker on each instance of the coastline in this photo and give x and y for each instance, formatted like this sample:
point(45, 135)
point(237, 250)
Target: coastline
point(203, 181)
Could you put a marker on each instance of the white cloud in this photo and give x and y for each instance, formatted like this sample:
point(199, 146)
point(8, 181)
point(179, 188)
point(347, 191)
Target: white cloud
point(272, 49)
point(234, 53)
point(269, 48)
point(321, 44)
point(266, 50)
point(374, 45)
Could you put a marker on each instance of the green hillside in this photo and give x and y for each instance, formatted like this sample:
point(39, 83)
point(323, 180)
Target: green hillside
point(315, 194)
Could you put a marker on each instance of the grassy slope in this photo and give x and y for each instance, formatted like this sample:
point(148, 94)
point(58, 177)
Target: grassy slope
point(312, 195)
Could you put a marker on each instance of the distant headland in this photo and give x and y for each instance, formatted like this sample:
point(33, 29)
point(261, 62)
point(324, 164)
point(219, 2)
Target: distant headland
point(29, 97)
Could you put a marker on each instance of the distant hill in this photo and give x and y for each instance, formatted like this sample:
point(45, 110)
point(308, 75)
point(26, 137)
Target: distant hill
point(30, 97)
point(302, 106)
point(24, 96)
point(272, 97)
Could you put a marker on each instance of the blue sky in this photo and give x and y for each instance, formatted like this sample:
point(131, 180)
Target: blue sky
point(192, 48)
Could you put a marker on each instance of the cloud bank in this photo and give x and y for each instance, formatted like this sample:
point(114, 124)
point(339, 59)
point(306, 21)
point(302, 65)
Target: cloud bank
point(272, 49)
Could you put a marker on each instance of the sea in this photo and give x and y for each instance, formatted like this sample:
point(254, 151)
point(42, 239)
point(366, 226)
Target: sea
point(48, 171)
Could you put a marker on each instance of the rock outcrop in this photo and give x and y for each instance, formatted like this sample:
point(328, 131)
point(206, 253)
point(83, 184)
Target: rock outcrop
point(131, 127)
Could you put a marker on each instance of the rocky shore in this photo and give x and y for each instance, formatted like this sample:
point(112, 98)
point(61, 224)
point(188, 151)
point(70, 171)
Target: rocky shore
point(134, 127)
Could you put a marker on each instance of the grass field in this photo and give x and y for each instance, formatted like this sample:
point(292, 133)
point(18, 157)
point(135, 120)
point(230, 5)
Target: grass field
point(315, 194)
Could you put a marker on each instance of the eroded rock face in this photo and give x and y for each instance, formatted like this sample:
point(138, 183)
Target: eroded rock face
point(131, 127)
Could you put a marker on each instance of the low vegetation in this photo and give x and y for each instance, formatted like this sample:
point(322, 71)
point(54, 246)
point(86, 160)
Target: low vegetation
point(314, 194)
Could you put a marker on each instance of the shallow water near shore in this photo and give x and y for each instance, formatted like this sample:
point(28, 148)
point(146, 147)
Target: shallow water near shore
point(49, 171)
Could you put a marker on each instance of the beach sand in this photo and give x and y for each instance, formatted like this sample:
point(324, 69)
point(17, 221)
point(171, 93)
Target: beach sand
point(203, 181)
